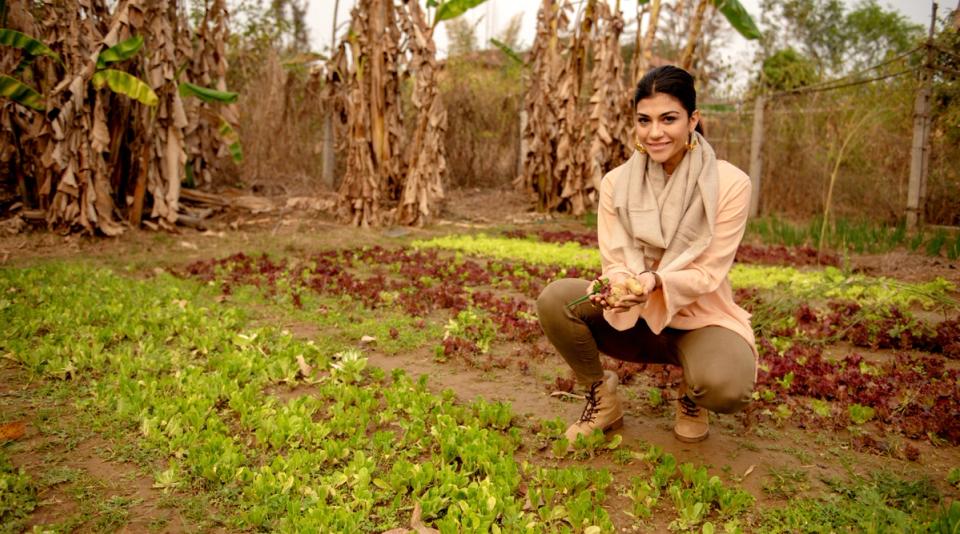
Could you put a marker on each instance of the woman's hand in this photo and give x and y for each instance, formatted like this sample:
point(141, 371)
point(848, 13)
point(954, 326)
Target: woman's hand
point(627, 293)
point(597, 289)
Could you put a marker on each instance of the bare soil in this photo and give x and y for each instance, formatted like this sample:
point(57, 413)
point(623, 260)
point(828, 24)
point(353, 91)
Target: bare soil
point(83, 486)
point(734, 451)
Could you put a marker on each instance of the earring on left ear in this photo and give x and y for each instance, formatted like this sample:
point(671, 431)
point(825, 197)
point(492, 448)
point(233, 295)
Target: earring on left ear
point(692, 142)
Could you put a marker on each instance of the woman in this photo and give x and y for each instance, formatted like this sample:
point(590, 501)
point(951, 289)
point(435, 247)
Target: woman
point(671, 219)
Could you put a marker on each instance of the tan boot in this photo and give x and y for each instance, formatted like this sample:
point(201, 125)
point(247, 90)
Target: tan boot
point(692, 424)
point(603, 410)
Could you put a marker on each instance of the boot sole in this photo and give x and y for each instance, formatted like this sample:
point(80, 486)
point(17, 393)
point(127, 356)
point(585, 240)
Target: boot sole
point(690, 439)
point(616, 425)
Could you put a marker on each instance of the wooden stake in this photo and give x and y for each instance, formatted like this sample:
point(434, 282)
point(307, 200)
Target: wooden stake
point(756, 156)
point(919, 150)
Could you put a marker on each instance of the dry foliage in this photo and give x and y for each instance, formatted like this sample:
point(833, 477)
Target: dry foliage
point(643, 53)
point(483, 95)
point(207, 150)
point(541, 108)
point(394, 170)
point(426, 162)
point(96, 157)
point(281, 118)
point(374, 167)
point(571, 141)
point(610, 105)
point(801, 137)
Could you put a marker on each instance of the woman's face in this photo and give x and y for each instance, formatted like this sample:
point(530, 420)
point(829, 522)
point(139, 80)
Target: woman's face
point(664, 127)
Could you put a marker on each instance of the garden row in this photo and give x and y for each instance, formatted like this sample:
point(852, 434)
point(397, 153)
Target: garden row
point(489, 300)
point(746, 253)
point(359, 448)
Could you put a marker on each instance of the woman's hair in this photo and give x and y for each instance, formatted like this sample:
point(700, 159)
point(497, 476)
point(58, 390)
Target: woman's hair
point(672, 81)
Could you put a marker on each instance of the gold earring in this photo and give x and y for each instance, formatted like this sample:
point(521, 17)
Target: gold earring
point(691, 143)
point(640, 148)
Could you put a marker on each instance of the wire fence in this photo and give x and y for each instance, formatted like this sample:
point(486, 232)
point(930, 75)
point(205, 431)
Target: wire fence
point(803, 130)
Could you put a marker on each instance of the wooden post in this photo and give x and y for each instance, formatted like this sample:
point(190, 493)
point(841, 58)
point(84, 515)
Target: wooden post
point(329, 163)
point(521, 143)
point(919, 149)
point(756, 156)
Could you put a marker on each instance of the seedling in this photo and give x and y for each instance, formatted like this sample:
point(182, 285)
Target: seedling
point(644, 497)
point(859, 414)
point(655, 397)
point(601, 287)
point(820, 407)
point(954, 477)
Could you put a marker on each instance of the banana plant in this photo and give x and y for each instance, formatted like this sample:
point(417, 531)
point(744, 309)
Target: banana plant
point(213, 96)
point(732, 10)
point(508, 51)
point(126, 84)
point(121, 82)
point(32, 48)
point(451, 9)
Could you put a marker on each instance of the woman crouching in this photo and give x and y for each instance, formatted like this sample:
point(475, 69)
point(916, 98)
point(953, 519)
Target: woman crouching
point(669, 222)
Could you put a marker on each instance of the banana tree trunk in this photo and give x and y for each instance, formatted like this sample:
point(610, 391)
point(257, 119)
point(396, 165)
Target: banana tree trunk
point(647, 49)
point(377, 78)
point(696, 27)
point(426, 161)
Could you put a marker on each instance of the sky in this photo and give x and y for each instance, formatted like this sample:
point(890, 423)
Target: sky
point(492, 17)
point(495, 14)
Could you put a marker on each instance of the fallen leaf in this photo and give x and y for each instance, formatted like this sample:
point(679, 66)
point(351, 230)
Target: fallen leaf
point(565, 395)
point(189, 245)
point(12, 431)
point(305, 370)
point(417, 525)
point(365, 340)
point(748, 471)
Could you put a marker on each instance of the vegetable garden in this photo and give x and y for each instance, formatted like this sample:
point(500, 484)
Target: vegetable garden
point(300, 375)
point(352, 381)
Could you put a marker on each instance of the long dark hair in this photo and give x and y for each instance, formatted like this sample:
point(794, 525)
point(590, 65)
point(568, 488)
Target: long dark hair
point(672, 81)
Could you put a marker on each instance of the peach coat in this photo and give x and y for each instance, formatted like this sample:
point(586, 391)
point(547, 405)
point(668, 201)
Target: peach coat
point(700, 294)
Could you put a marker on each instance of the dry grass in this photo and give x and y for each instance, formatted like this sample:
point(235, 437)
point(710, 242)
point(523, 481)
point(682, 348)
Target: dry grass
point(282, 134)
point(281, 124)
point(801, 142)
point(483, 102)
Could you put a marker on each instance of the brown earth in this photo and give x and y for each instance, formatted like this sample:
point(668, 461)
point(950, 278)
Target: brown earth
point(738, 453)
point(84, 483)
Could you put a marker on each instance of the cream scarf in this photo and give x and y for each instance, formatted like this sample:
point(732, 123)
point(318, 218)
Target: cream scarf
point(667, 238)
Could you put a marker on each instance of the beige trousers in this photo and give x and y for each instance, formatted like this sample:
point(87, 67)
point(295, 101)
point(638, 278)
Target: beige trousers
point(718, 364)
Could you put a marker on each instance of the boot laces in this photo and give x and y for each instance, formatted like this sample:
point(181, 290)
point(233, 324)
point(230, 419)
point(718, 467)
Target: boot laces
point(688, 407)
point(590, 410)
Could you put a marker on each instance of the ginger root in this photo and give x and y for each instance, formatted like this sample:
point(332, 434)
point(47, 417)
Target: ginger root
point(618, 291)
